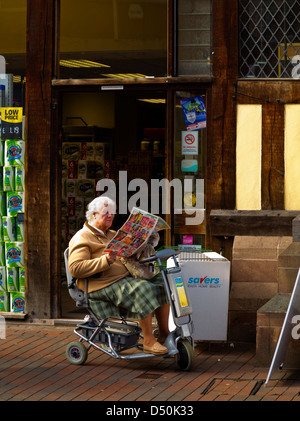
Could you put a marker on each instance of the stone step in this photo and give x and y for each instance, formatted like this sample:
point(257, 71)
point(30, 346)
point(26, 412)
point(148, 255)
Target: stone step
point(270, 318)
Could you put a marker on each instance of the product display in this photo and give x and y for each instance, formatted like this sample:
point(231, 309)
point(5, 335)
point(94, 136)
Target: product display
point(19, 230)
point(14, 153)
point(12, 279)
point(4, 301)
point(3, 286)
point(3, 205)
point(83, 164)
point(2, 254)
point(14, 254)
point(12, 201)
point(19, 178)
point(15, 203)
point(8, 178)
point(17, 302)
point(9, 228)
point(21, 279)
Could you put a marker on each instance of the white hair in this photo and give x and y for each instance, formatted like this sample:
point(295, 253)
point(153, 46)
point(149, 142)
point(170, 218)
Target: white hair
point(99, 203)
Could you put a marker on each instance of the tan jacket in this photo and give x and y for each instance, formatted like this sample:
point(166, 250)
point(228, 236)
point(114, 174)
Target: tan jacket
point(87, 258)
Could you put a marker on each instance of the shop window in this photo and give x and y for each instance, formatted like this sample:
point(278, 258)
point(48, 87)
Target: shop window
point(120, 137)
point(194, 37)
point(269, 40)
point(248, 157)
point(113, 39)
point(13, 51)
point(291, 156)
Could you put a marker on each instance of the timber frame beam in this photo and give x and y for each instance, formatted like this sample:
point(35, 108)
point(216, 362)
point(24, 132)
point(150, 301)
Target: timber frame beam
point(229, 223)
point(41, 200)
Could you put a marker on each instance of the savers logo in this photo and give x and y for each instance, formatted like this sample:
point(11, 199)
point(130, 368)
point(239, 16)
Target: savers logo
point(205, 280)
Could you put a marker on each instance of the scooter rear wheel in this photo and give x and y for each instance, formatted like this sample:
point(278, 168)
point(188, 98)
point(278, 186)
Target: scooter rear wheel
point(185, 356)
point(76, 353)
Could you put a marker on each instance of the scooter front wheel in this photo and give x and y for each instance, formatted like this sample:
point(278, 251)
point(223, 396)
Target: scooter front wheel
point(185, 356)
point(76, 353)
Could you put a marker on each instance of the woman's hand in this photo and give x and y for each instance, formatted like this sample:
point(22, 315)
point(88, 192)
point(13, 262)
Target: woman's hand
point(111, 257)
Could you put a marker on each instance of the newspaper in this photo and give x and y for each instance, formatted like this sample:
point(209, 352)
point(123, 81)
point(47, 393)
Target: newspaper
point(136, 231)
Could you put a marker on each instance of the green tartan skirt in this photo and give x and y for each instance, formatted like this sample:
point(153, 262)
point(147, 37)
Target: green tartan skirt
point(129, 297)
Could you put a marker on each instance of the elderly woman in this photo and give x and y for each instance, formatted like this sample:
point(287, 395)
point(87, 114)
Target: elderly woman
point(111, 289)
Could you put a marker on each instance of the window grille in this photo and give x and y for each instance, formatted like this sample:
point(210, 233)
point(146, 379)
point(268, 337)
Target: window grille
point(269, 38)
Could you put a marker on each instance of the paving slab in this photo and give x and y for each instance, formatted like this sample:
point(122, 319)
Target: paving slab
point(34, 368)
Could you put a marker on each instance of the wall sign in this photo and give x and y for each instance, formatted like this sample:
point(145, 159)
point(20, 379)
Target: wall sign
point(189, 143)
point(194, 112)
point(11, 123)
point(190, 165)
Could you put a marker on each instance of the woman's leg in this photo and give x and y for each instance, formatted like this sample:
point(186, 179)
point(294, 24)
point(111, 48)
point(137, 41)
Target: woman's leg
point(146, 326)
point(162, 316)
point(150, 343)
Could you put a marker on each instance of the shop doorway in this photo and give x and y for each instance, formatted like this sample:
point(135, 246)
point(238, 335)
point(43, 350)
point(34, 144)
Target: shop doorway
point(107, 134)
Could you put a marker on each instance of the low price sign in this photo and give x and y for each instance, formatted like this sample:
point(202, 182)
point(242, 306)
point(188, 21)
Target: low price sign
point(11, 122)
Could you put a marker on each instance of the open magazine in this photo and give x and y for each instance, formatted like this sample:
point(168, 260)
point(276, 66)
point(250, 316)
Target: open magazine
point(135, 232)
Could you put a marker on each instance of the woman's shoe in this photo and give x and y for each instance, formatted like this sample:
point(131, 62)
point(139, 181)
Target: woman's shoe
point(156, 349)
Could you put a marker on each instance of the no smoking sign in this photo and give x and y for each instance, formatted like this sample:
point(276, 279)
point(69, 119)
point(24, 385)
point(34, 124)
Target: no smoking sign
point(189, 143)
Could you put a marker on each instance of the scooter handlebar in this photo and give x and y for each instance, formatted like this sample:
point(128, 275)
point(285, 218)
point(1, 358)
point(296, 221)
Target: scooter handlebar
point(162, 255)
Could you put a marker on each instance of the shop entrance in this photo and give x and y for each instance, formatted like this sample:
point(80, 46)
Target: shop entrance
point(107, 134)
point(133, 135)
